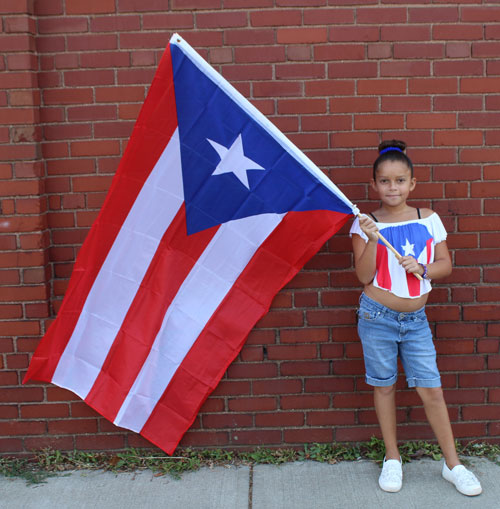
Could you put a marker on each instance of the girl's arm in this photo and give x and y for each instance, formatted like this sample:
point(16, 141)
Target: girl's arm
point(365, 253)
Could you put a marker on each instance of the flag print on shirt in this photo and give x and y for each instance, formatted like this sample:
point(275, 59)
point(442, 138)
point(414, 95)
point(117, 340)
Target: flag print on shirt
point(211, 212)
point(408, 239)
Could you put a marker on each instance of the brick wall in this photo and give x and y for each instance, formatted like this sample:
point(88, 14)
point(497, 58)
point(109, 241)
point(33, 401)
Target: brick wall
point(337, 77)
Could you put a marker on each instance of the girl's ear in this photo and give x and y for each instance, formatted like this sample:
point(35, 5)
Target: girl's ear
point(413, 183)
point(373, 184)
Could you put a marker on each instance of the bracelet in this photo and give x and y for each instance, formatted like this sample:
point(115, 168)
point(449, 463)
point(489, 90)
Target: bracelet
point(424, 275)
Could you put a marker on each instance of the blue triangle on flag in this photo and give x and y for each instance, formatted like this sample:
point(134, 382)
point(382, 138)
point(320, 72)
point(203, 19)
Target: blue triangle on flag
point(219, 189)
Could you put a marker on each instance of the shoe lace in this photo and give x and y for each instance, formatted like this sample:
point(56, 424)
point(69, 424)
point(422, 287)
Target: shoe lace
point(391, 472)
point(468, 478)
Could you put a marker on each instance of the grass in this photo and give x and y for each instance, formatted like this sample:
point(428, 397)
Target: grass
point(48, 462)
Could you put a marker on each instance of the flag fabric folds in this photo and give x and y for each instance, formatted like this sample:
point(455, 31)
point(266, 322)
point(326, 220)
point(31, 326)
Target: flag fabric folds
point(211, 212)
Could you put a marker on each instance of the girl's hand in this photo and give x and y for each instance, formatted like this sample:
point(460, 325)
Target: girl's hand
point(411, 265)
point(368, 227)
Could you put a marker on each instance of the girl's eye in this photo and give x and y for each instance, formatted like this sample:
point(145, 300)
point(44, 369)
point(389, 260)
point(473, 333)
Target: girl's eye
point(401, 180)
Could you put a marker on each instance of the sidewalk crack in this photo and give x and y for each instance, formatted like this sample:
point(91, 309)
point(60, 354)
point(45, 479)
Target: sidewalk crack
point(250, 487)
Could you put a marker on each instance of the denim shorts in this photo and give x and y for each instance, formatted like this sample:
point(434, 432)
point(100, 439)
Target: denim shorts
point(386, 334)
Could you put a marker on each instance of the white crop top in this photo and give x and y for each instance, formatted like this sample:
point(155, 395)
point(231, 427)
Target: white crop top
point(417, 238)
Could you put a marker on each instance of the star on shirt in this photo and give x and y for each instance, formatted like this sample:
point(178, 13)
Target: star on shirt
point(233, 160)
point(409, 248)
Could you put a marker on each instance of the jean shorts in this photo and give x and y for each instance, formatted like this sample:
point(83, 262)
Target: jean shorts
point(386, 334)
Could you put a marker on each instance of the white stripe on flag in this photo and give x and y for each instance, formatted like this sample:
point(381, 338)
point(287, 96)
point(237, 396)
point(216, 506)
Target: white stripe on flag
point(203, 290)
point(122, 272)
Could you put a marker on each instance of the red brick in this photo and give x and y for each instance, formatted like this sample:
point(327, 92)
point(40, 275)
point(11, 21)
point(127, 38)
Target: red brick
point(304, 401)
point(301, 35)
point(458, 68)
point(431, 121)
point(419, 50)
point(304, 368)
point(90, 6)
point(307, 335)
point(276, 18)
point(279, 419)
point(278, 386)
point(354, 34)
point(221, 19)
point(259, 54)
point(91, 77)
point(433, 14)
point(281, 318)
point(97, 442)
point(309, 435)
point(352, 70)
point(334, 16)
point(458, 137)
point(47, 410)
point(457, 32)
point(72, 426)
point(302, 70)
point(405, 33)
point(61, 24)
point(252, 404)
point(258, 437)
point(380, 15)
point(227, 421)
point(478, 223)
point(353, 105)
point(399, 103)
point(479, 14)
point(17, 427)
point(460, 363)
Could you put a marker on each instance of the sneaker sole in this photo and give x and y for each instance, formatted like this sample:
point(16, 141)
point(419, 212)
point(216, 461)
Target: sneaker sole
point(470, 494)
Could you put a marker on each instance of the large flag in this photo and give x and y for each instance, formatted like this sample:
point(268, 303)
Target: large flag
point(211, 212)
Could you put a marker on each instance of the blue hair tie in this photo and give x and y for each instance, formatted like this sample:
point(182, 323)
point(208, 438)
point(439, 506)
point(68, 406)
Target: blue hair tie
point(389, 149)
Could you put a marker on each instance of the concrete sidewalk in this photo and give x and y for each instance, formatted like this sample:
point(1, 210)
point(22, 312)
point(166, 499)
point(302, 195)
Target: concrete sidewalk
point(296, 485)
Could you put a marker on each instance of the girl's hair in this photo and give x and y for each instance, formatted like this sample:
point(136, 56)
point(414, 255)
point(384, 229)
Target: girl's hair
point(392, 150)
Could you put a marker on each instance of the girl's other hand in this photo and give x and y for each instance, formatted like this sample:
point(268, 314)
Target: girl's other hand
point(368, 227)
point(411, 265)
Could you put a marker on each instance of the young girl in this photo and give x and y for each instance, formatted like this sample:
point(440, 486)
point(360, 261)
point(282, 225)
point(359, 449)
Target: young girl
point(391, 317)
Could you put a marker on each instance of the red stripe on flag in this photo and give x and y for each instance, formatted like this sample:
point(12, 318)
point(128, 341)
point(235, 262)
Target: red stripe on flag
point(173, 261)
point(429, 249)
point(383, 274)
point(279, 258)
point(413, 285)
point(155, 125)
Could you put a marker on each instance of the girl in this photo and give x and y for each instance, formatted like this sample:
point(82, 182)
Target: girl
point(392, 318)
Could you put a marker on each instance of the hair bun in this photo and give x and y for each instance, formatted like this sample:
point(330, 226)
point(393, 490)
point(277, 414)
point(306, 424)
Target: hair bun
point(397, 144)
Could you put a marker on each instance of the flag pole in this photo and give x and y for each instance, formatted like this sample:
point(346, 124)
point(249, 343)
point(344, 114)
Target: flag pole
point(391, 248)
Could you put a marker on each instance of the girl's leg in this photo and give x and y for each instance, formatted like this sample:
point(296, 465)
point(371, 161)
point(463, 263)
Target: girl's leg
point(437, 415)
point(385, 406)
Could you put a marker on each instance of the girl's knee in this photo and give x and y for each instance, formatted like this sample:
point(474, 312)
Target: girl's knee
point(385, 390)
point(431, 394)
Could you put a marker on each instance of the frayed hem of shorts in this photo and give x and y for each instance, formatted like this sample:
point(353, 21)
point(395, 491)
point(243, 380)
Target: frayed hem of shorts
point(377, 382)
point(431, 383)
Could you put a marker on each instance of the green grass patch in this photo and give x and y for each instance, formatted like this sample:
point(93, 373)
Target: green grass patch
point(48, 462)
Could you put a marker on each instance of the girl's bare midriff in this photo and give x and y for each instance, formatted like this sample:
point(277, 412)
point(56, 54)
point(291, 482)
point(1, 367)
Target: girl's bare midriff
point(391, 301)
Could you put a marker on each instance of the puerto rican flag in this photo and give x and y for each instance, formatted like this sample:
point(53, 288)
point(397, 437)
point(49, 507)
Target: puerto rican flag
point(211, 212)
point(412, 239)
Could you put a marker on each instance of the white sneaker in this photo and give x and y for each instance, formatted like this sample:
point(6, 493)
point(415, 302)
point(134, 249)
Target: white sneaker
point(464, 480)
point(391, 478)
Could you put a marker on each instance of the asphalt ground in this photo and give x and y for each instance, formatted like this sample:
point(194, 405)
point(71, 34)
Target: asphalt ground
point(295, 485)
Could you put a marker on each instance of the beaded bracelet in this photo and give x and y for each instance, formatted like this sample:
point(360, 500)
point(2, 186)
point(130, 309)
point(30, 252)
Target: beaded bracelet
point(424, 275)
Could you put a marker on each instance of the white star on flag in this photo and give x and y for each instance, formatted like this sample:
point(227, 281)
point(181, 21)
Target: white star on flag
point(408, 248)
point(233, 160)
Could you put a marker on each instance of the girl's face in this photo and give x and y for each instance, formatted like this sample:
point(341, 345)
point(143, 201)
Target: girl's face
point(393, 183)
